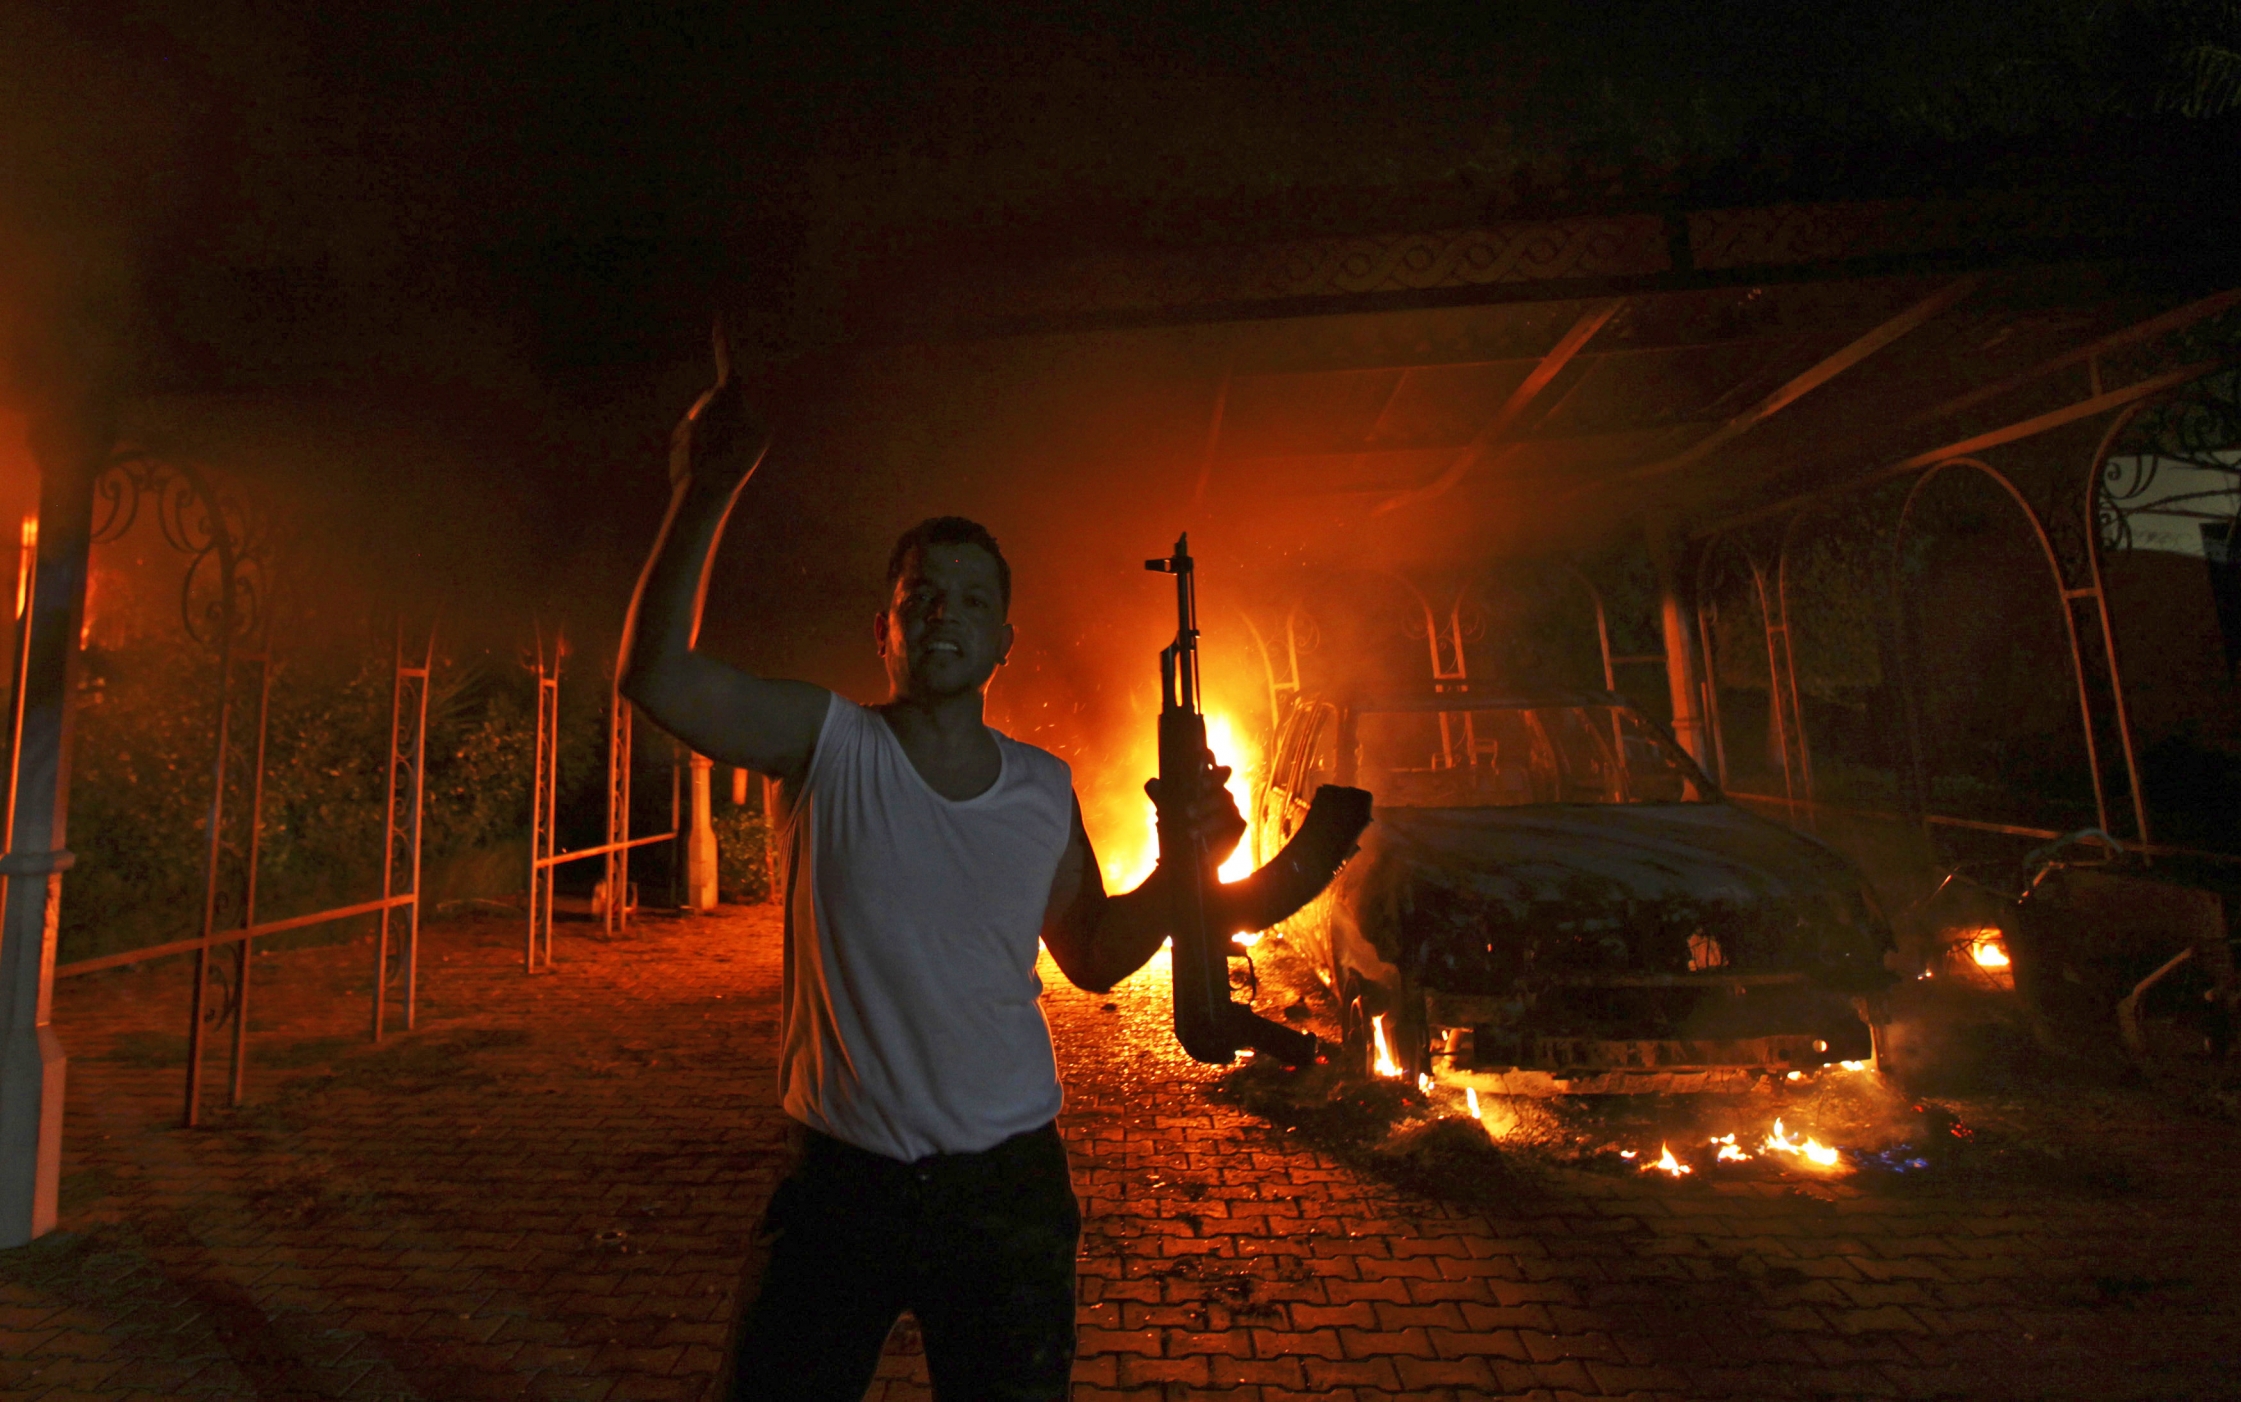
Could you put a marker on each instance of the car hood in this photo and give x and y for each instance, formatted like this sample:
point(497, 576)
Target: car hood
point(1482, 898)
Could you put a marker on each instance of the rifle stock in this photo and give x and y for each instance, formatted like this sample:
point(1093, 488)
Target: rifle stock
point(1204, 913)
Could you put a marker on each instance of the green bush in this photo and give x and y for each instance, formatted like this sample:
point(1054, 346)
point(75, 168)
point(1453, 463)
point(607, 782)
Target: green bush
point(141, 783)
point(742, 873)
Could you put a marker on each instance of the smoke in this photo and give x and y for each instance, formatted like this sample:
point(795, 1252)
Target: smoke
point(1086, 456)
point(79, 174)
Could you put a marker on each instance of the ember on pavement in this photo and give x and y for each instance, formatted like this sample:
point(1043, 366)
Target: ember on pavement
point(543, 1192)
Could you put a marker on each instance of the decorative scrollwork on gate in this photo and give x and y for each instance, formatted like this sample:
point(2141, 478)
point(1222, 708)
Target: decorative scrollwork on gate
point(2198, 427)
point(224, 594)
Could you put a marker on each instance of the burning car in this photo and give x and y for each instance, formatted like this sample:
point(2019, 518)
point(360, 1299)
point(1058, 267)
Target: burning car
point(1554, 899)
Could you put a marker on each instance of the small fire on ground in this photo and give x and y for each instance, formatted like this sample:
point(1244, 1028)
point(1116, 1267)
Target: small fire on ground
point(1803, 1151)
point(1778, 1144)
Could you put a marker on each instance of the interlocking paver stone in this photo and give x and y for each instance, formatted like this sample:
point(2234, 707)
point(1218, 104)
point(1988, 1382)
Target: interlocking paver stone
point(545, 1188)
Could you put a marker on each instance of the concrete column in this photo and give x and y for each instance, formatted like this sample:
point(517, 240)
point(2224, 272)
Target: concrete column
point(70, 451)
point(1683, 676)
point(700, 847)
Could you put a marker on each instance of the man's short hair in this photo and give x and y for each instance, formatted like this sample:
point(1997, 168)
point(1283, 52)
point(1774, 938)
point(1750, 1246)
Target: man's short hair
point(949, 530)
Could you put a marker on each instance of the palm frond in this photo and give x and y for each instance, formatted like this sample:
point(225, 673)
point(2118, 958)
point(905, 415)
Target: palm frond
point(2207, 81)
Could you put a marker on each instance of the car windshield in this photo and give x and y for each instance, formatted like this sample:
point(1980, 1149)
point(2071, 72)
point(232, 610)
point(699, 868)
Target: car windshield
point(1515, 755)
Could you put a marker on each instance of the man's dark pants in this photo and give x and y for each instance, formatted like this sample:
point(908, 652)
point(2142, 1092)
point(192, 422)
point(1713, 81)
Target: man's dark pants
point(980, 1247)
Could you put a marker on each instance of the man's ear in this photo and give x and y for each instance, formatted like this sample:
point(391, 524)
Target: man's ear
point(879, 632)
point(1004, 653)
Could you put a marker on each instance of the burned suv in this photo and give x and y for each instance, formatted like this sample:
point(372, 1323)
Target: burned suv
point(1553, 899)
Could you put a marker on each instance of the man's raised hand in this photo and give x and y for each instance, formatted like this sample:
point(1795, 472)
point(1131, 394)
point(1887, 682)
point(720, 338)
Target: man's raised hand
point(722, 711)
point(721, 438)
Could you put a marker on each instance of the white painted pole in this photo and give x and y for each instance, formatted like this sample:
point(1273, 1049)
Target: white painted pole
point(70, 451)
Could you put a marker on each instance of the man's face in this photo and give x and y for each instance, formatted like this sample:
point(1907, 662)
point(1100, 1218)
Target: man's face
point(943, 633)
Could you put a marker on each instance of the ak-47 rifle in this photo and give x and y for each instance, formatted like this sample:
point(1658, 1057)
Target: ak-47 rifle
point(1207, 913)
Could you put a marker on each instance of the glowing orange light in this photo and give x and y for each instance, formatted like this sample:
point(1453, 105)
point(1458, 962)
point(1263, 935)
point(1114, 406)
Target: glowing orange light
point(23, 562)
point(1129, 859)
point(1386, 1066)
point(1989, 955)
point(1811, 1150)
point(1666, 1163)
point(1224, 739)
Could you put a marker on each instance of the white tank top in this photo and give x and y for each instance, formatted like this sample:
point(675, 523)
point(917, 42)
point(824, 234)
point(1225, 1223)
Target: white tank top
point(910, 1023)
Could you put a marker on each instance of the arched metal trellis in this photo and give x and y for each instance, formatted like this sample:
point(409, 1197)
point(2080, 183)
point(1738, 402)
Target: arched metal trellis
point(1450, 669)
point(226, 604)
point(2198, 425)
point(1785, 703)
point(2075, 513)
point(1284, 685)
point(1785, 722)
point(2070, 597)
point(1611, 661)
point(615, 901)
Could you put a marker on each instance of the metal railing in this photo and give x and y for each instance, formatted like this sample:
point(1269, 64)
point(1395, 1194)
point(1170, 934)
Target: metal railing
point(401, 831)
point(544, 856)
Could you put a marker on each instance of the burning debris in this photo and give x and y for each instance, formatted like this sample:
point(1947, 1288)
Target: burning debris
point(1385, 1064)
point(1974, 956)
point(1805, 1148)
point(1777, 1143)
point(1842, 1123)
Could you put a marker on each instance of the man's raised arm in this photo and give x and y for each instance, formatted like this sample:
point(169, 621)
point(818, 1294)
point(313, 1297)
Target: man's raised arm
point(716, 708)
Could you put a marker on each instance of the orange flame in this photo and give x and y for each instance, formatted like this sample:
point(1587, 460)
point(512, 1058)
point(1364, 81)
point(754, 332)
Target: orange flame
point(23, 562)
point(1386, 1066)
point(1980, 956)
point(1129, 858)
point(1812, 1150)
point(1666, 1163)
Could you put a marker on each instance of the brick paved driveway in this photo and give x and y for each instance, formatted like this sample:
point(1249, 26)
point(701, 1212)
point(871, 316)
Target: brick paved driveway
point(542, 1192)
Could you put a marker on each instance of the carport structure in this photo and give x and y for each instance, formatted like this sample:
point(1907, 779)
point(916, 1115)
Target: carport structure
point(1716, 386)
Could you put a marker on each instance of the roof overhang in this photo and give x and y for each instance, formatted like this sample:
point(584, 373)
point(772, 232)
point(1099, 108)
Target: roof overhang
point(1693, 362)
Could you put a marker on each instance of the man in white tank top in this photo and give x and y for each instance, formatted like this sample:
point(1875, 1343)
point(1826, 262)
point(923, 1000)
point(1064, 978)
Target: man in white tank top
point(925, 856)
